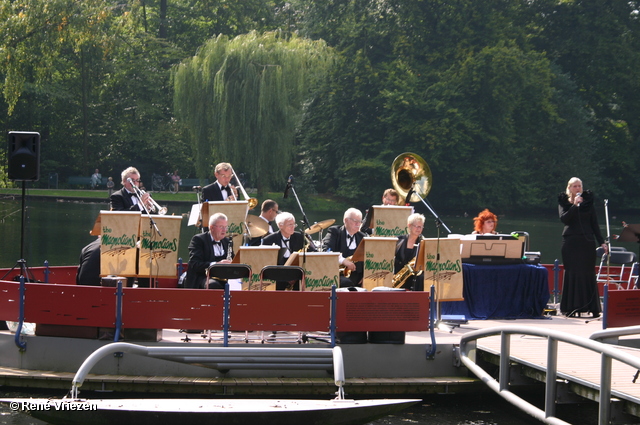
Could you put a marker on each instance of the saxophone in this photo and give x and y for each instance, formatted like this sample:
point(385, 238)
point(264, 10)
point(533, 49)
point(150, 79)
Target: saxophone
point(345, 271)
point(405, 273)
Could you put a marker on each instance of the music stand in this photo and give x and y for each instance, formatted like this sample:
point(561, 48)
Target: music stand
point(630, 233)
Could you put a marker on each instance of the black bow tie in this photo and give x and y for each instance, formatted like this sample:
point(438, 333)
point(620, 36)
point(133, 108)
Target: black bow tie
point(130, 194)
point(219, 243)
point(227, 189)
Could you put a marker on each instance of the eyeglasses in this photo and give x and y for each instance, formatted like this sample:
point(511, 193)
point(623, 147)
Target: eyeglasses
point(417, 226)
point(292, 223)
point(221, 227)
point(136, 181)
point(354, 220)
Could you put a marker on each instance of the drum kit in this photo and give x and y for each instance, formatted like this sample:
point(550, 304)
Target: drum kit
point(258, 227)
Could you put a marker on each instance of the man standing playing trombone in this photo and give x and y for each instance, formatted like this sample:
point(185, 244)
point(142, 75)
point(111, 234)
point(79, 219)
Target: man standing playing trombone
point(220, 190)
point(127, 199)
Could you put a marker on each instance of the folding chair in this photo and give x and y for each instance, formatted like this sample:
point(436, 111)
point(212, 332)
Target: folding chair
point(226, 271)
point(283, 274)
point(618, 257)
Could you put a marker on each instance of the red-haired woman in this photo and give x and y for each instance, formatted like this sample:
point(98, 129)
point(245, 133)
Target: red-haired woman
point(485, 223)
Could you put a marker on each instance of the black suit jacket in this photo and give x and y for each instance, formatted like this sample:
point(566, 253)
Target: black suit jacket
point(89, 267)
point(200, 257)
point(402, 257)
point(121, 201)
point(212, 192)
point(336, 240)
point(296, 243)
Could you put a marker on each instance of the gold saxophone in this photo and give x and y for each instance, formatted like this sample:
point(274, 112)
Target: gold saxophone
point(345, 271)
point(405, 273)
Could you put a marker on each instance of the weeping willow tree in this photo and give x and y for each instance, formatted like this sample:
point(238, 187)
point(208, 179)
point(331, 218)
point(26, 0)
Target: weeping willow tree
point(242, 99)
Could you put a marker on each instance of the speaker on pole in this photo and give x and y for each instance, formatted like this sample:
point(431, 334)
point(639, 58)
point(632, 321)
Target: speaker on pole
point(24, 155)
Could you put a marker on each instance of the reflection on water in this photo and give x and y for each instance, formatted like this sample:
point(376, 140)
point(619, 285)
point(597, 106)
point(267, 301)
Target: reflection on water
point(57, 231)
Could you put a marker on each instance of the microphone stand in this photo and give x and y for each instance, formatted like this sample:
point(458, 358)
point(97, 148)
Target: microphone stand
point(426, 204)
point(440, 324)
point(152, 226)
point(304, 220)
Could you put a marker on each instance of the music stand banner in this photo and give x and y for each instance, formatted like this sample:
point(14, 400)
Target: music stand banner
point(321, 269)
point(257, 257)
point(118, 251)
point(389, 220)
point(158, 255)
point(377, 254)
point(441, 262)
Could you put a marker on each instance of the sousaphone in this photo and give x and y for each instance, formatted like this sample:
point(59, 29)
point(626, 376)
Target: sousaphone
point(411, 174)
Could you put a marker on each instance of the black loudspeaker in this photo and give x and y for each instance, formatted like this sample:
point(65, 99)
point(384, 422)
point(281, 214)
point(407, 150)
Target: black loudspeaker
point(24, 156)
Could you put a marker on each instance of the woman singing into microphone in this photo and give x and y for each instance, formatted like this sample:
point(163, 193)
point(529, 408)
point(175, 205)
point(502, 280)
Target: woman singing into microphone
point(579, 237)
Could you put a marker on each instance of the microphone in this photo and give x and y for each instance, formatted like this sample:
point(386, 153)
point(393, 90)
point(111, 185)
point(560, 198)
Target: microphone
point(579, 194)
point(286, 189)
point(129, 180)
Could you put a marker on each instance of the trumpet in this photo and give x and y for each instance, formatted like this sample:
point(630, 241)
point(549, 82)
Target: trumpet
point(252, 201)
point(154, 205)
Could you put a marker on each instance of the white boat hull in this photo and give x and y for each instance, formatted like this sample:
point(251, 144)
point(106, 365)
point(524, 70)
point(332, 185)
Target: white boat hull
point(207, 411)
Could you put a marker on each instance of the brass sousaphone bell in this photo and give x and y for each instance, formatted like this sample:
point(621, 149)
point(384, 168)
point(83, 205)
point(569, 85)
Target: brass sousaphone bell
point(409, 171)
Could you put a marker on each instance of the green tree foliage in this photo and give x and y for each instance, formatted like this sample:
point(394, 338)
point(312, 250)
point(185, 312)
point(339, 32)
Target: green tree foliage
point(242, 100)
point(462, 84)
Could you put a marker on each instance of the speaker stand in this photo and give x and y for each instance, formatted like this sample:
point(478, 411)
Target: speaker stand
point(22, 263)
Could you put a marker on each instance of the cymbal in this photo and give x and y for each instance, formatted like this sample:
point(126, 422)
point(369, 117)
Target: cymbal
point(257, 226)
point(319, 226)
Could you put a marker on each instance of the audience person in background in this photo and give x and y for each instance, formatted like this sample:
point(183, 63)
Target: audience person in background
point(96, 179)
point(110, 185)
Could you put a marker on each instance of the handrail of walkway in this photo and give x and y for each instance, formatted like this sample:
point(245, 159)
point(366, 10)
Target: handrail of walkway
point(615, 333)
point(501, 386)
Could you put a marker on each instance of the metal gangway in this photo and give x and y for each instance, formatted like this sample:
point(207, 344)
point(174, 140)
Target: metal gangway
point(608, 353)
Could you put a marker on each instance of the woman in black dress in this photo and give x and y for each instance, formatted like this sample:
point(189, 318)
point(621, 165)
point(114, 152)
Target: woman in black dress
point(579, 237)
point(407, 249)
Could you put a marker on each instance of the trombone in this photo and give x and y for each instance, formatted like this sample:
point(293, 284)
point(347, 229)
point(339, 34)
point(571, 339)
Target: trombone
point(252, 201)
point(155, 206)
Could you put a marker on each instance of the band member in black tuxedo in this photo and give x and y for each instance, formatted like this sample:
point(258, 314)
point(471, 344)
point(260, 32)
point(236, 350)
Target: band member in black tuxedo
point(220, 190)
point(206, 249)
point(289, 241)
point(268, 213)
point(345, 240)
point(389, 197)
point(125, 199)
point(407, 249)
point(89, 266)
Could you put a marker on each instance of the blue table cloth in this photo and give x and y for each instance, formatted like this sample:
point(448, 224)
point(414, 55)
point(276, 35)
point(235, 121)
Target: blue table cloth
point(519, 291)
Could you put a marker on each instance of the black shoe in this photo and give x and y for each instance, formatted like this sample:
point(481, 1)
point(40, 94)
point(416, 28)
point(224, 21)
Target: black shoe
point(595, 315)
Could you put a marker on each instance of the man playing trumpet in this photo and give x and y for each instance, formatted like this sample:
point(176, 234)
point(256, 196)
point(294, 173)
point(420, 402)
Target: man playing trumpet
point(220, 190)
point(126, 199)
